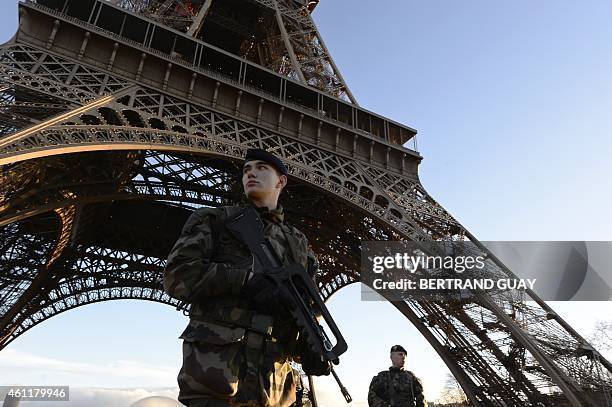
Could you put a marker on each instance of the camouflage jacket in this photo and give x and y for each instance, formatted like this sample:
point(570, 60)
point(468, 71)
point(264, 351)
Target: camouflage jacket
point(396, 388)
point(207, 267)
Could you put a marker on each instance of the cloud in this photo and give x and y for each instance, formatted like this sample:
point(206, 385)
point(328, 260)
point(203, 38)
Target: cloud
point(17, 367)
point(102, 397)
point(105, 397)
point(329, 395)
point(21, 368)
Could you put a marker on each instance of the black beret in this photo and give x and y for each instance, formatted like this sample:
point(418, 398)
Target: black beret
point(263, 155)
point(398, 348)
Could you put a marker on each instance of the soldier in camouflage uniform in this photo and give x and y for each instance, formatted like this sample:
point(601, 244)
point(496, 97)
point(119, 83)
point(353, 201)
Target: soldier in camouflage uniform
point(240, 340)
point(396, 387)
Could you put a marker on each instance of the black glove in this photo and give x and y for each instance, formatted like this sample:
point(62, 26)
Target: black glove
point(244, 263)
point(313, 364)
point(260, 288)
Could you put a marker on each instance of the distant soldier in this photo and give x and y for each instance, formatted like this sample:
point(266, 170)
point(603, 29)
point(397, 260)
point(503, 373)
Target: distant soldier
point(240, 339)
point(396, 387)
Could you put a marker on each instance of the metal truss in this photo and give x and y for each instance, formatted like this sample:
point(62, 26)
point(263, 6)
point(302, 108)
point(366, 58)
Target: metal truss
point(92, 274)
point(284, 39)
point(40, 71)
point(310, 58)
point(178, 14)
point(21, 107)
point(98, 174)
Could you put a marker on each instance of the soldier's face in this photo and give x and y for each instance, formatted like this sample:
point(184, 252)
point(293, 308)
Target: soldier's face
point(398, 359)
point(261, 180)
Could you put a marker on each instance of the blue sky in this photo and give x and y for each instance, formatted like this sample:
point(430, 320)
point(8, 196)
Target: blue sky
point(512, 102)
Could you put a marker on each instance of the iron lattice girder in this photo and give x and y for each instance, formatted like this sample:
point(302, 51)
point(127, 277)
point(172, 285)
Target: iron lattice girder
point(203, 120)
point(170, 69)
point(346, 174)
point(392, 209)
point(475, 357)
point(197, 118)
point(54, 76)
point(21, 107)
point(313, 58)
point(294, 20)
point(84, 268)
point(90, 182)
point(102, 264)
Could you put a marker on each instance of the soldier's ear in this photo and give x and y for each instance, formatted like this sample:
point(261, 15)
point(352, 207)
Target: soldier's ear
point(282, 181)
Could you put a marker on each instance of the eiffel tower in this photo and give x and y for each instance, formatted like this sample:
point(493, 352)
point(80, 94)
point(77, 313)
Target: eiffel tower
point(121, 117)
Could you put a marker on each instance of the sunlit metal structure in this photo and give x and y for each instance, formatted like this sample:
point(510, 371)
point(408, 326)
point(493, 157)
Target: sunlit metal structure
point(120, 117)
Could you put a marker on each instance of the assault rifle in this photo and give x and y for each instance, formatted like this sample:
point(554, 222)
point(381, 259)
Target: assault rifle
point(294, 285)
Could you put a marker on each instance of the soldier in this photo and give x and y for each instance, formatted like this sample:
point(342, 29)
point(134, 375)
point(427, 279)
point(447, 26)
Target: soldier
point(396, 387)
point(240, 340)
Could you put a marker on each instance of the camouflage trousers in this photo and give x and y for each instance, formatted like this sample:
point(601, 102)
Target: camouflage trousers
point(234, 371)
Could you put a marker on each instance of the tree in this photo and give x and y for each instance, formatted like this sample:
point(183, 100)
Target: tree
point(601, 337)
point(452, 394)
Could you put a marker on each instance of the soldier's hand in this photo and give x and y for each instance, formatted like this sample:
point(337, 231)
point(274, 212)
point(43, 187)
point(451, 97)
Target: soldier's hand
point(313, 364)
point(245, 263)
point(261, 289)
